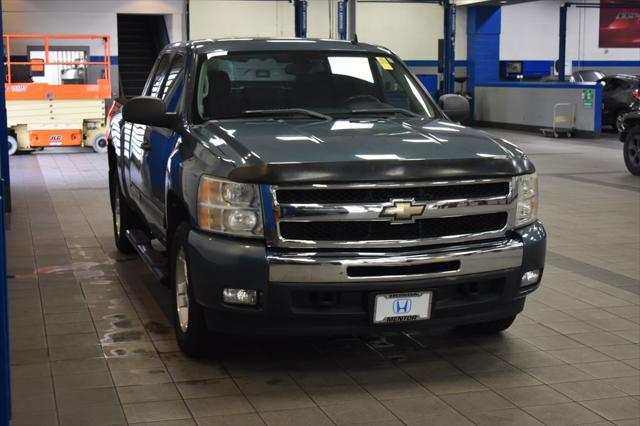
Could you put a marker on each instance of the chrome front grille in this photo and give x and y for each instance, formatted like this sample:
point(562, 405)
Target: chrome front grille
point(390, 215)
point(384, 194)
point(382, 230)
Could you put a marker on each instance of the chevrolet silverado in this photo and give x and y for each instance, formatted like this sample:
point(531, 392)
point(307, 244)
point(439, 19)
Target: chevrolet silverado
point(314, 187)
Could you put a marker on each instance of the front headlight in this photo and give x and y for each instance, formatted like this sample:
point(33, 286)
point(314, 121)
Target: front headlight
point(229, 208)
point(527, 210)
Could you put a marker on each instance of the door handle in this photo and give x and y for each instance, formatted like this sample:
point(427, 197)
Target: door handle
point(146, 146)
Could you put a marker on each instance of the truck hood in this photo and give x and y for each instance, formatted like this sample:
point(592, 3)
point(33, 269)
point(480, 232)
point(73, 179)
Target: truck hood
point(296, 151)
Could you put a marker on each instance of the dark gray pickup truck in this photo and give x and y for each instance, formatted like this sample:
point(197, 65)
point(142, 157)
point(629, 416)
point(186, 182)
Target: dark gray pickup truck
point(305, 187)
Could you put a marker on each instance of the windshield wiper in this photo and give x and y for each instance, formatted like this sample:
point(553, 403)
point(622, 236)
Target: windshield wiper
point(285, 112)
point(385, 111)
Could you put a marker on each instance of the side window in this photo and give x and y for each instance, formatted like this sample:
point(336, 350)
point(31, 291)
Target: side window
point(174, 83)
point(158, 77)
point(175, 73)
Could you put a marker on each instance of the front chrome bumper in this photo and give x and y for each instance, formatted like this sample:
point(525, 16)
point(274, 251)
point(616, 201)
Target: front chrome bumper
point(317, 267)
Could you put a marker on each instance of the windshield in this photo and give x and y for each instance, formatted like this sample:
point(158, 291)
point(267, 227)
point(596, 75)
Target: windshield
point(334, 84)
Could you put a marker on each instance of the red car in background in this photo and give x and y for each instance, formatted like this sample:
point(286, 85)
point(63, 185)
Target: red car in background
point(619, 27)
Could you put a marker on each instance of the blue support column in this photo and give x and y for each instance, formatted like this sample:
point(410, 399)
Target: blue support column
point(562, 50)
point(483, 45)
point(300, 7)
point(5, 382)
point(448, 80)
point(342, 19)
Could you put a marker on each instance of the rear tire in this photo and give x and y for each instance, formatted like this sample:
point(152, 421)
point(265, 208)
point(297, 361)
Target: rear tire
point(123, 217)
point(13, 144)
point(188, 317)
point(632, 151)
point(489, 327)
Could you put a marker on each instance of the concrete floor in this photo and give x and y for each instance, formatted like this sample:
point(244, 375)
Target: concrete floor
point(91, 344)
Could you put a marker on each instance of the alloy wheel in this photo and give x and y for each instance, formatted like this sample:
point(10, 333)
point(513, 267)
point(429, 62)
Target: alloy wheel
point(619, 122)
point(182, 290)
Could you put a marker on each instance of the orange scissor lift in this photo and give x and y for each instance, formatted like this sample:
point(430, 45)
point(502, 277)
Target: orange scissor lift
point(56, 97)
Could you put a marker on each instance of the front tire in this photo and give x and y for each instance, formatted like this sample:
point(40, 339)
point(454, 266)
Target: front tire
point(632, 151)
point(489, 327)
point(190, 327)
point(123, 217)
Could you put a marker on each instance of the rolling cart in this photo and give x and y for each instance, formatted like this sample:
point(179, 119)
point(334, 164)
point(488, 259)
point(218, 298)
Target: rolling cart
point(564, 121)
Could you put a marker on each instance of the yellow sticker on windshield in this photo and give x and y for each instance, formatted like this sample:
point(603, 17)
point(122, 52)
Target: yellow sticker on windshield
point(384, 63)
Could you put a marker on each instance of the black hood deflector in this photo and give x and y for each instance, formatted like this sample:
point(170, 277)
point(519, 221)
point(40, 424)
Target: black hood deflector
point(386, 170)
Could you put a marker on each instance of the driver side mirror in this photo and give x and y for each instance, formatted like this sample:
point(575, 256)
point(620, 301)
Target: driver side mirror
point(148, 110)
point(456, 107)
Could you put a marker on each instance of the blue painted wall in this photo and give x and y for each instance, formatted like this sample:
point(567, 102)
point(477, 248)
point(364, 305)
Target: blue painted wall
point(430, 82)
point(586, 63)
point(431, 63)
point(544, 68)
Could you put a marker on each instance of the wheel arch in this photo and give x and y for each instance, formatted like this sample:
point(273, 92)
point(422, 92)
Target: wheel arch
point(629, 125)
point(620, 109)
point(176, 213)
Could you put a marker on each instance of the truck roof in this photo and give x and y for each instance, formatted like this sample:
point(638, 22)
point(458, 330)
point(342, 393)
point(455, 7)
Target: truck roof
point(256, 44)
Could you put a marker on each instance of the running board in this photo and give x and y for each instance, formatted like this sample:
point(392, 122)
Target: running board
point(154, 259)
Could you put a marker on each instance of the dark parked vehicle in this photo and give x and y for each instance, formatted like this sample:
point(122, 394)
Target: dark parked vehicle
point(581, 76)
point(586, 76)
point(299, 187)
point(630, 135)
point(619, 95)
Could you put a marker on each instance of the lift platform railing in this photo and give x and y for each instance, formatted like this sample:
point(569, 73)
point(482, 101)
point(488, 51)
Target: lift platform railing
point(21, 90)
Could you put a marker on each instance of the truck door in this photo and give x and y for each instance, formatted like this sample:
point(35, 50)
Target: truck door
point(162, 141)
point(139, 134)
point(159, 142)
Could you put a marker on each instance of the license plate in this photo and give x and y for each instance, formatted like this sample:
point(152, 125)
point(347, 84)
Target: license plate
point(402, 307)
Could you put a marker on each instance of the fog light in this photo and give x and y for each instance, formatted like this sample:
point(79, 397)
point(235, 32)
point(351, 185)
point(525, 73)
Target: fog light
point(530, 278)
point(240, 296)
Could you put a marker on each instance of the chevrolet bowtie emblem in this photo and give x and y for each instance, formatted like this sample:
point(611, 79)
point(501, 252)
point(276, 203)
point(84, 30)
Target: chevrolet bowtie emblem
point(402, 211)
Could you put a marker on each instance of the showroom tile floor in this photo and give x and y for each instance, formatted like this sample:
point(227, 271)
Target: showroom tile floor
point(91, 343)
